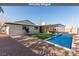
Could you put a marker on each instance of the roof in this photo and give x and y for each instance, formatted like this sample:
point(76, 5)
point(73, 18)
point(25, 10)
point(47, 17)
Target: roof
point(58, 25)
point(46, 25)
point(23, 22)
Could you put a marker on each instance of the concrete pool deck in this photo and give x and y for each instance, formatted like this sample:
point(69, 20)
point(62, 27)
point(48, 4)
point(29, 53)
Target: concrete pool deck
point(28, 46)
point(76, 45)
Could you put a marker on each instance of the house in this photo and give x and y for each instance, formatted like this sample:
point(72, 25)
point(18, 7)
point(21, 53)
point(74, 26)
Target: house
point(59, 28)
point(46, 28)
point(55, 28)
point(20, 28)
point(27, 27)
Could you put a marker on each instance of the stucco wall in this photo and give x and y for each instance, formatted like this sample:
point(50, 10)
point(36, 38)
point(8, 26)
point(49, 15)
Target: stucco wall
point(60, 28)
point(33, 30)
point(7, 30)
point(71, 30)
point(17, 30)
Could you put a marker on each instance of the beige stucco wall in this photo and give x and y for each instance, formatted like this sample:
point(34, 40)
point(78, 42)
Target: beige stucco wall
point(32, 30)
point(14, 30)
point(7, 30)
point(60, 29)
point(71, 30)
point(17, 30)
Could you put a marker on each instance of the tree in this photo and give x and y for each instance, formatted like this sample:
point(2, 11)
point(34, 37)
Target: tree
point(1, 10)
point(3, 16)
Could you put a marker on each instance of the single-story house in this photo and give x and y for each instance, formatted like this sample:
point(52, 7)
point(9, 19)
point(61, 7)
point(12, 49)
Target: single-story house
point(20, 27)
point(51, 28)
point(27, 27)
point(46, 28)
point(59, 28)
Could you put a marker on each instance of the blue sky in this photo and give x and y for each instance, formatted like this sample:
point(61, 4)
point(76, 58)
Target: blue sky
point(67, 15)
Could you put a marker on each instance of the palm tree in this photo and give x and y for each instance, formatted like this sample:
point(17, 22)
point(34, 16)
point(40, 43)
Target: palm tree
point(1, 10)
point(2, 16)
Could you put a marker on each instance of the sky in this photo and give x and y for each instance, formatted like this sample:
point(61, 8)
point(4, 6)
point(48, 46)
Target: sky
point(66, 15)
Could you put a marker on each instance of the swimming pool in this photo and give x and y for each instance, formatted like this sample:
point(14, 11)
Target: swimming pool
point(64, 40)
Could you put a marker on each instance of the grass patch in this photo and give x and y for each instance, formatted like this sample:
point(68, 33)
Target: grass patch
point(43, 36)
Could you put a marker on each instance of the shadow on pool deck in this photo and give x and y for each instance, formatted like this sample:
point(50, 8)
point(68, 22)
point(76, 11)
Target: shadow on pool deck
point(10, 47)
point(27, 46)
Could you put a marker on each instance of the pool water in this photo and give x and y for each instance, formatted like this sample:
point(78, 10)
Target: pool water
point(64, 40)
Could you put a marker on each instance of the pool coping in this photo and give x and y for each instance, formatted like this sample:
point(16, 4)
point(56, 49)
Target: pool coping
point(61, 46)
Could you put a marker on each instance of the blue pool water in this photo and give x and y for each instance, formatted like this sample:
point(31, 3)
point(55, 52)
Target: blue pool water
point(64, 40)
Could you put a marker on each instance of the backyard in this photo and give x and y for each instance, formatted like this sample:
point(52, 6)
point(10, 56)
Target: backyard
point(27, 46)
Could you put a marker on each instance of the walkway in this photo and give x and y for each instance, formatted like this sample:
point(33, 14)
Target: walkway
point(10, 47)
point(76, 45)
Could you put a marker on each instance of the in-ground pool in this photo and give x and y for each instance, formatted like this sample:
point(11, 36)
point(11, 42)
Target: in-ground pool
point(64, 40)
